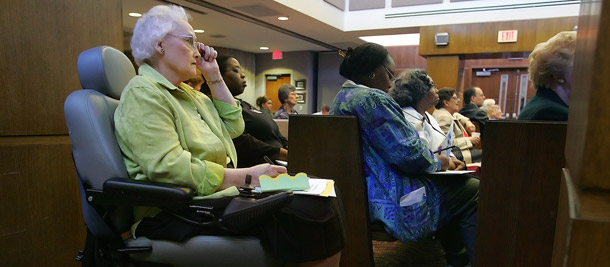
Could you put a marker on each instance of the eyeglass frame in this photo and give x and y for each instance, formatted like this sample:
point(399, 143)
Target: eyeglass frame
point(193, 43)
point(392, 76)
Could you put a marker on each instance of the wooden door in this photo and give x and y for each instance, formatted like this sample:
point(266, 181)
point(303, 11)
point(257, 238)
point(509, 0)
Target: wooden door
point(273, 84)
point(509, 87)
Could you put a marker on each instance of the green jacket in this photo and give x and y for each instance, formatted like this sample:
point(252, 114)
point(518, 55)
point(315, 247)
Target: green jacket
point(175, 134)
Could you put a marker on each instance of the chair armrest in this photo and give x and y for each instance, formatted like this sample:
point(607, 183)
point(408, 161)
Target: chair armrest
point(130, 192)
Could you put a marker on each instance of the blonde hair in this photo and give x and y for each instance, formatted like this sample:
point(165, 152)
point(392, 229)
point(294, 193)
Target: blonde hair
point(550, 60)
point(152, 27)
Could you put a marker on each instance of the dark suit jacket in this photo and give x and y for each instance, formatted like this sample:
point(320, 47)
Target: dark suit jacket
point(545, 106)
point(474, 113)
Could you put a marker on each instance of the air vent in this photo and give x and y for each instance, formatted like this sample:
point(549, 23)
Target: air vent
point(258, 10)
point(217, 36)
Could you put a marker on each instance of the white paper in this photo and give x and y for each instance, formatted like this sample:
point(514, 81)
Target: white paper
point(414, 197)
point(451, 172)
point(316, 187)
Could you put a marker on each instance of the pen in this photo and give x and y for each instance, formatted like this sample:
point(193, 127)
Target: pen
point(443, 149)
point(268, 160)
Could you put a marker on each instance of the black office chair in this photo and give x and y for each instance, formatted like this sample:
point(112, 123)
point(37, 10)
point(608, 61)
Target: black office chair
point(108, 195)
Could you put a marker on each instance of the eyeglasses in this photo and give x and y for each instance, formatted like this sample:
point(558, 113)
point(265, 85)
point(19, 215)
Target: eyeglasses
point(392, 77)
point(189, 39)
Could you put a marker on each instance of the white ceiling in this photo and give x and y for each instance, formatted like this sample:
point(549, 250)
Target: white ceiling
point(248, 24)
point(247, 36)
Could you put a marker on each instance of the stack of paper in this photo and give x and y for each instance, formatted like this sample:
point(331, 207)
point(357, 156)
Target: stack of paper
point(298, 184)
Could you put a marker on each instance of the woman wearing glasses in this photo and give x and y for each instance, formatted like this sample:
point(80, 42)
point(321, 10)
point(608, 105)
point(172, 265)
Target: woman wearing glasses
point(446, 114)
point(415, 92)
point(170, 133)
point(411, 203)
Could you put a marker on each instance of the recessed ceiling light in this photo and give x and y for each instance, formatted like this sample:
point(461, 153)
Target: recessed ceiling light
point(282, 18)
point(263, 48)
point(199, 31)
point(135, 15)
point(393, 40)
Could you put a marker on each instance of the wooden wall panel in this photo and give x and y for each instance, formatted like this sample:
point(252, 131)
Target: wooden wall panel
point(41, 221)
point(406, 57)
point(41, 41)
point(483, 37)
point(444, 70)
point(40, 216)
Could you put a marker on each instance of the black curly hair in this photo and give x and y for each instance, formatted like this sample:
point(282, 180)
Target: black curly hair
point(410, 87)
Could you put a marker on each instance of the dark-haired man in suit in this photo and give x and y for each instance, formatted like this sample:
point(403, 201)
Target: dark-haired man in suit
point(473, 99)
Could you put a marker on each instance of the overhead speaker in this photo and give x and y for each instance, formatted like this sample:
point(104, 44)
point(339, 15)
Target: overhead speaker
point(441, 38)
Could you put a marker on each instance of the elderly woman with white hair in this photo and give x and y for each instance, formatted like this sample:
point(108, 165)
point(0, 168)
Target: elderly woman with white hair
point(170, 133)
point(550, 72)
point(494, 112)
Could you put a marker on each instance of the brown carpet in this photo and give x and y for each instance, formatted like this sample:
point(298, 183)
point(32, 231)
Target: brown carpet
point(424, 253)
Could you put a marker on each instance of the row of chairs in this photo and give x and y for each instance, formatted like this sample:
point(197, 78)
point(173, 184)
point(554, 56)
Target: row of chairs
point(108, 195)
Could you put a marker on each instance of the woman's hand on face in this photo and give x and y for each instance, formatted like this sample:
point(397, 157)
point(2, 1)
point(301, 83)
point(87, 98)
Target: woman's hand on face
point(265, 169)
point(207, 61)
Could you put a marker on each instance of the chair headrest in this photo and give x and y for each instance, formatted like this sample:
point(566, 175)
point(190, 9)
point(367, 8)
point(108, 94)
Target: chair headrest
point(105, 69)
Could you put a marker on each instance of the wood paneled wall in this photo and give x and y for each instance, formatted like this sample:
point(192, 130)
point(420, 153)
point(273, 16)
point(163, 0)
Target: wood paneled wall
point(483, 37)
point(40, 217)
point(466, 40)
point(444, 70)
point(406, 57)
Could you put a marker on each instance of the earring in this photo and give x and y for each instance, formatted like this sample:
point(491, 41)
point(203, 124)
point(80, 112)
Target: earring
point(561, 81)
point(372, 76)
point(162, 51)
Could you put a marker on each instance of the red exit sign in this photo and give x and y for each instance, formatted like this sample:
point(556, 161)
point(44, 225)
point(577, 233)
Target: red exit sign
point(507, 36)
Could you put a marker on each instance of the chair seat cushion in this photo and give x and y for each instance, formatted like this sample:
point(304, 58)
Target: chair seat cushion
point(204, 250)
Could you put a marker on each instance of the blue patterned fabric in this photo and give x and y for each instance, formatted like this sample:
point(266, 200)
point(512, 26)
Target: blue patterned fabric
point(395, 162)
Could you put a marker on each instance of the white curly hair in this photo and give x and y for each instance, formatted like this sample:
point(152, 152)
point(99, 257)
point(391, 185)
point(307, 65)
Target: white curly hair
point(153, 27)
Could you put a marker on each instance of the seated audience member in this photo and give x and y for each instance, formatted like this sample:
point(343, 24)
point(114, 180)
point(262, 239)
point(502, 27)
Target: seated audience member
point(551, 74)
point(196, 81)
point(261, 135)
point(169, 133)
point(396, 162)
point(288, 98)
point(264, 105)
point(493, 111)
point(446, 115)
point(473, 99)
point(324, 111)
point(415, 92)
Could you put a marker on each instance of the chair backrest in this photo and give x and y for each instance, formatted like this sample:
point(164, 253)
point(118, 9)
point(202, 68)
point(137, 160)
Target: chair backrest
point(519, 192)
point(330, 147)
point(103, 72)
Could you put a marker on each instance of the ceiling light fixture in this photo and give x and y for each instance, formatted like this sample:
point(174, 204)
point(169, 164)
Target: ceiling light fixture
point(393, 40)
point(282, 18)
point(263, 48)
point(135, 15)
point(199, 31)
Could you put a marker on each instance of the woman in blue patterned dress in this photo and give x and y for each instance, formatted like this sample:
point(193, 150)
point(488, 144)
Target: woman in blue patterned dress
point(403, 192)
